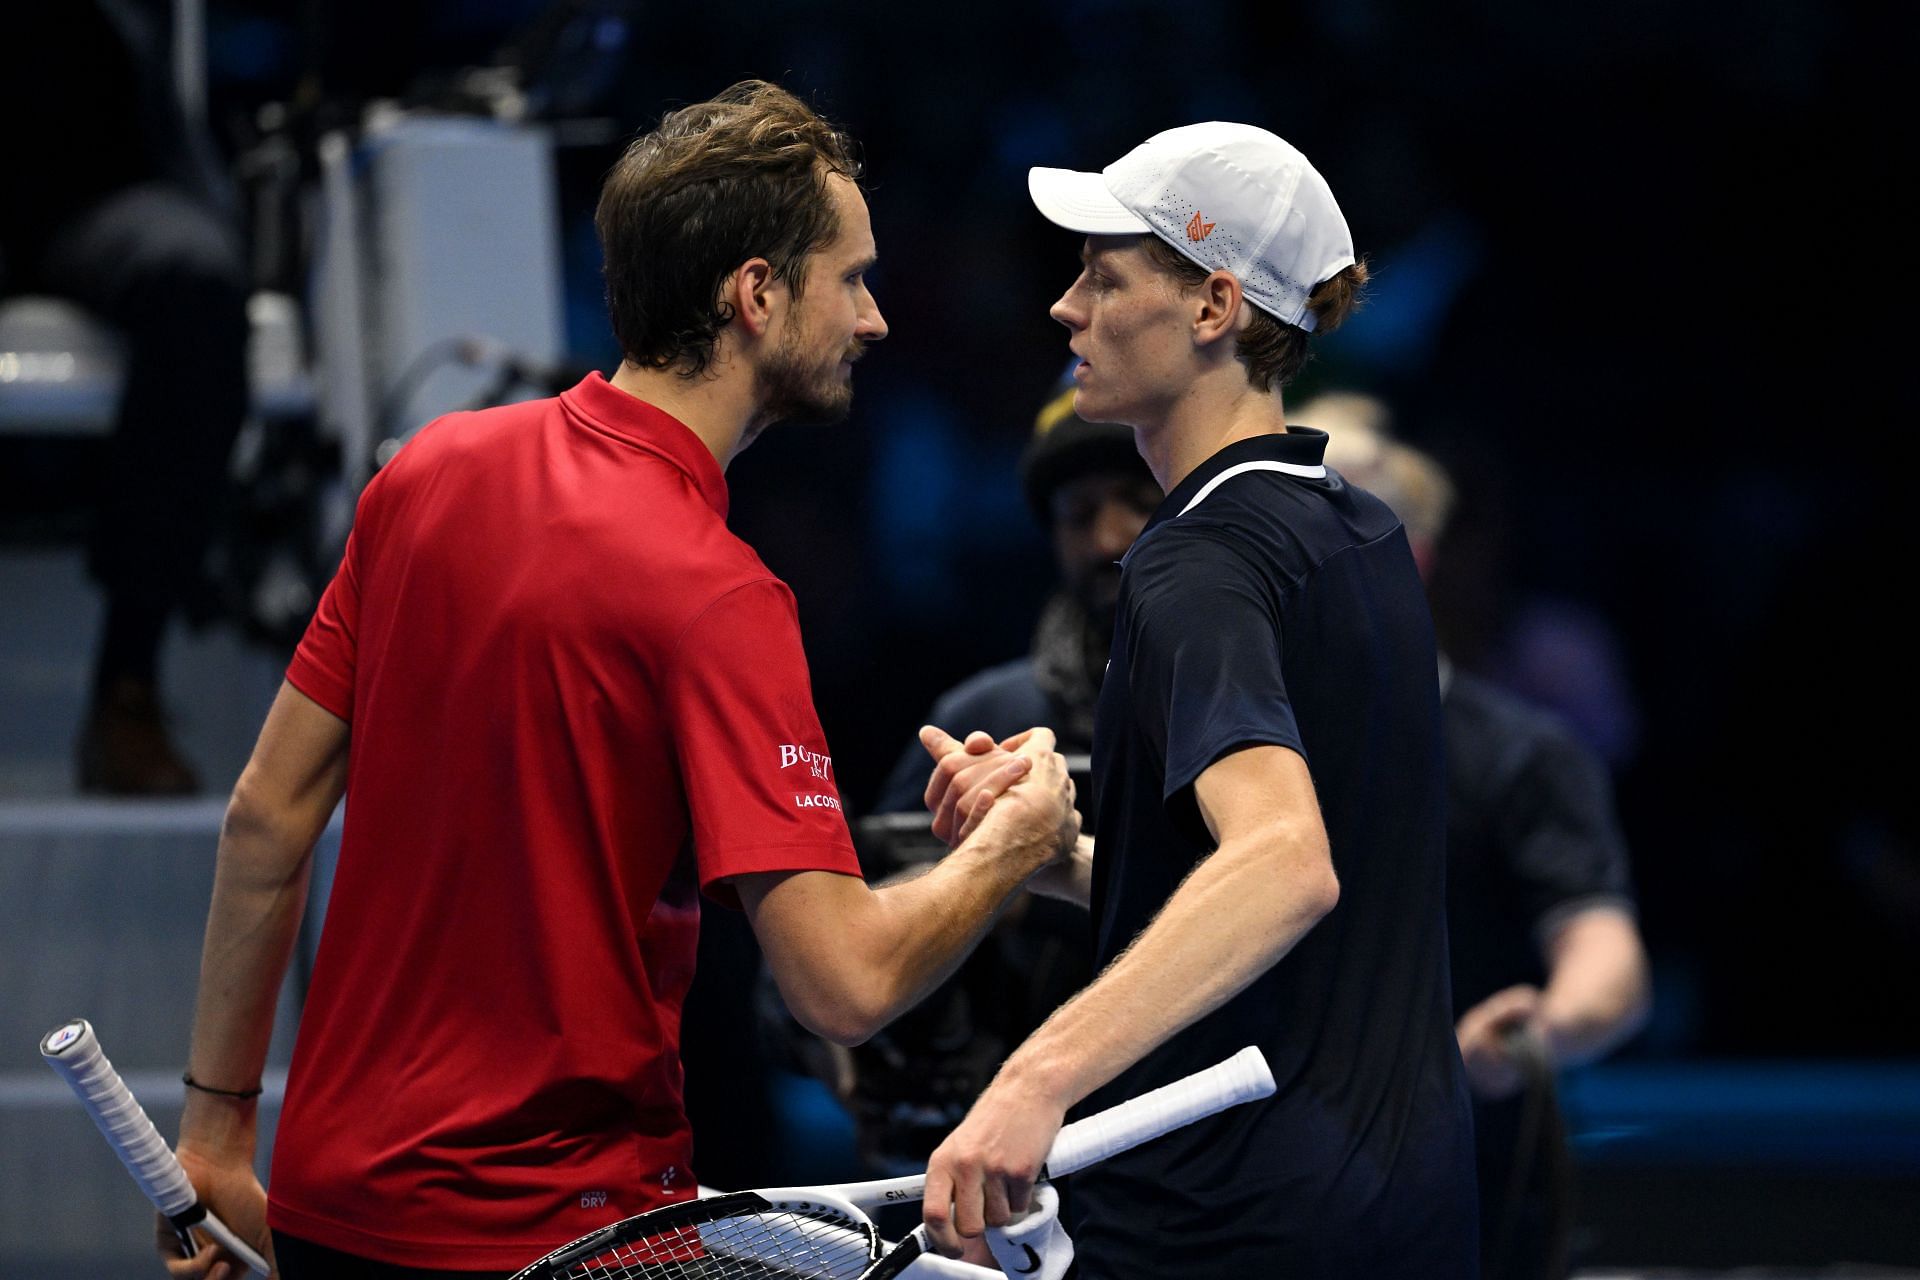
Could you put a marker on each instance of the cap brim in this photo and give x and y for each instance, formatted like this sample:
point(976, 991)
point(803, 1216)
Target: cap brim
point(1081, 202)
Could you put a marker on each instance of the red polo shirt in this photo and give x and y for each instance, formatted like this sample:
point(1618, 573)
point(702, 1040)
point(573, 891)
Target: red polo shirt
point(574, 697)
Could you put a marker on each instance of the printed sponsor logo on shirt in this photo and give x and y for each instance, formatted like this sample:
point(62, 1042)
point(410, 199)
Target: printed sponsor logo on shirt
point(819, 765)
point(814, 800)
point(593, 1200)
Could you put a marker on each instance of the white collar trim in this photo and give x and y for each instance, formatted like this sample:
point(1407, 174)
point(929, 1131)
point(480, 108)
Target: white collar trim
point(1260, 464)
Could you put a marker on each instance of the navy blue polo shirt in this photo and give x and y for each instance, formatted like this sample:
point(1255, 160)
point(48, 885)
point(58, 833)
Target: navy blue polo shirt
point(1270, 602)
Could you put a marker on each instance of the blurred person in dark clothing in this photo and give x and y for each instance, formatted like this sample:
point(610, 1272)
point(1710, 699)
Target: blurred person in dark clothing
point(907, 1087)
point(1545, 948)
point(114, 206)
point(1088, 487)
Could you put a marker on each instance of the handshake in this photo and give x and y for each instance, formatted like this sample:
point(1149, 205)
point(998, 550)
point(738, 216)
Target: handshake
point(1016, 794)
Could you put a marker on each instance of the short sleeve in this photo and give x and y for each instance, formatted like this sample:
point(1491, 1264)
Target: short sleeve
point(1203, 653)
point(753, 760)
point(323, 664)
point(1561, 834)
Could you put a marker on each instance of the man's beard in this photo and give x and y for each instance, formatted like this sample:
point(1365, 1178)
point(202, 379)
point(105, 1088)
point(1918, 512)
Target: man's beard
point(794, 389)
point(1096, 589)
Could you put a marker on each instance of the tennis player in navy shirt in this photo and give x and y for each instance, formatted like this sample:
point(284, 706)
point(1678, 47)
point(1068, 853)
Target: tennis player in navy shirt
point(1268, 758)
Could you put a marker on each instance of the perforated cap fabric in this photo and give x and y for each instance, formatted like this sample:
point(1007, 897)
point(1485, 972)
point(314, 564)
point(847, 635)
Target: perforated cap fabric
point(1231, 197)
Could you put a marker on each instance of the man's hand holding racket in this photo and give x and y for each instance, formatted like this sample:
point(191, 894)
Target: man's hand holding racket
point(228, 1186)
point(983, 1174)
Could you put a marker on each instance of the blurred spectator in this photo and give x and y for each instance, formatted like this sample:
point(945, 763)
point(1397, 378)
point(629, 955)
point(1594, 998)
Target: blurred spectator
point(913, 1082)
point(1087, 486)
point(113, 206)
point(1548, 966)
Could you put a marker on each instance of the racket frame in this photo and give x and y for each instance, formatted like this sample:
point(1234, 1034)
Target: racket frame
point(1245, 1077)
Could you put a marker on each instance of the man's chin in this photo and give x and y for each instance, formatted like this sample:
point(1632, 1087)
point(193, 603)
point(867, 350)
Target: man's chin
point(1091, 408)
point(821, 413)
point(813, 411)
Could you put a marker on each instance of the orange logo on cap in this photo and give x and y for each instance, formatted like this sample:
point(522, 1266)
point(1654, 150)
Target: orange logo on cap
point(1198, 230)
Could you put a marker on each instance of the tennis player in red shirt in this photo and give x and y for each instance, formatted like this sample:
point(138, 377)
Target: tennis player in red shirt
point(562, 700)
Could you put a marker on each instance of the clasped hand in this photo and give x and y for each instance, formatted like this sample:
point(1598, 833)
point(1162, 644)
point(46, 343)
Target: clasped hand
point(971, 777)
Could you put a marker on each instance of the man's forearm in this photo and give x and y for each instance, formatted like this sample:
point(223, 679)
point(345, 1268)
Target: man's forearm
point(259, 893)
point(1070, 880)
point(923, 927)
point(849, 958)
point(1238, 913)
point(260, 887)
point(1598, 992)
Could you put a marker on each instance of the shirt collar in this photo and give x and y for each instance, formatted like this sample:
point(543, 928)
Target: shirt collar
point(609, 409)
point(1297, 446)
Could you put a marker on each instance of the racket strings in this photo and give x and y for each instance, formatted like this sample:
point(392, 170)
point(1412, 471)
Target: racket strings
point(754, 1246)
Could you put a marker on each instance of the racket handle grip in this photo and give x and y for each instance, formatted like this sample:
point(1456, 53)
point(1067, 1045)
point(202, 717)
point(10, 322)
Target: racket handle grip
point(74, 1054)
point(1244, 1077)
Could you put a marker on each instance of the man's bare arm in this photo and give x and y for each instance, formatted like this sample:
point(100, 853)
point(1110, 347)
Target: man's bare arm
point(1269, 880)
point(849, 958)
point(279, 807)
point(1597, 996)
point(1598, 992)
point(1070, 879)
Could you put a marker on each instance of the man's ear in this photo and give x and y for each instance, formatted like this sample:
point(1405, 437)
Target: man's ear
point(1219, 310)
point(752, 296)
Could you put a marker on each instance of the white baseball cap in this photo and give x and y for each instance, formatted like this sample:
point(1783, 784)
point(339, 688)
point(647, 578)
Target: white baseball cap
point(1231, 197)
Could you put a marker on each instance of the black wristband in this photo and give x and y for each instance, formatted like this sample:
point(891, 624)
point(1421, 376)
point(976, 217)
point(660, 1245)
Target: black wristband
point(186, 1078)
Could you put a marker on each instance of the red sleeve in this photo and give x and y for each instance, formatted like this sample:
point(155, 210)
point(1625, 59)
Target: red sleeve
point(322, 667)
point(753, 760)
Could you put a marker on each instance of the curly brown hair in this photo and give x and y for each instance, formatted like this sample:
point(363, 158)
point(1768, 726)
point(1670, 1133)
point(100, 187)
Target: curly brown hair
point(1274, 351)
point(742, 176)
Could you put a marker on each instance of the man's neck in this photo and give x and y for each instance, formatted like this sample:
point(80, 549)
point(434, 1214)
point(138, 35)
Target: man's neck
point(718, 406)
point(1213, 414)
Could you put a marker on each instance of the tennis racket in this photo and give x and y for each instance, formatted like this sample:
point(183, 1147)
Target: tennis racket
point(823, 1233)
point(74, 1054)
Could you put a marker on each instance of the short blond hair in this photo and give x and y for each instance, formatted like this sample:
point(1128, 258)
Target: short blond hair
point(1273, 350)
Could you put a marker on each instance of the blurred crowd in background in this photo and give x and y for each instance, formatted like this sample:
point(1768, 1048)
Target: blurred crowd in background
point(1619, 293)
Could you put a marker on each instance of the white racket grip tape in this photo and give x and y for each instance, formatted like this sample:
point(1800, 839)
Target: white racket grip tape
point(74, 1054)
point(1244, 1077)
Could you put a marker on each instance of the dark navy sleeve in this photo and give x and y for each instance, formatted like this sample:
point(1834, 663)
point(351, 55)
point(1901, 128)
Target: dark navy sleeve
point(1561, 833)
point(1203, 652)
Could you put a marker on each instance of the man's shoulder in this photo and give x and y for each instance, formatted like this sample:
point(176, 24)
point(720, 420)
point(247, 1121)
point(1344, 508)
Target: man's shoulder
point(629, 517)
point(1185, 541)
point(1288, 524)
point(462, 439)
